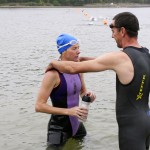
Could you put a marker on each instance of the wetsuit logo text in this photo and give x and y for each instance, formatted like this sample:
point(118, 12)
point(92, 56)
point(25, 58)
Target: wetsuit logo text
point(139, 96)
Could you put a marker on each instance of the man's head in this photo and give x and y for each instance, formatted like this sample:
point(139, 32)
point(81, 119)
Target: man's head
point(68, 47)
point(127, 20)
point(124, 27)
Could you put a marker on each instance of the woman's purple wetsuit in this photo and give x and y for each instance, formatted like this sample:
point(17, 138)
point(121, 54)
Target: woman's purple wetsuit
point(66, 95)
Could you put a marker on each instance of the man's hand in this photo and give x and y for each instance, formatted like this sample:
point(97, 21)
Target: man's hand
point(49, 67)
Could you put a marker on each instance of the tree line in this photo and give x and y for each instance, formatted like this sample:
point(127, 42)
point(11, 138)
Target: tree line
point(69, 2)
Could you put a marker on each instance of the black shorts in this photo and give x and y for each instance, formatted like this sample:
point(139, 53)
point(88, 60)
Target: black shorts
point(134, 132)
point(58, 137)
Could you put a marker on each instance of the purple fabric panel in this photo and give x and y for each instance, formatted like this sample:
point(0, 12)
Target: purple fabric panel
point(73, 91)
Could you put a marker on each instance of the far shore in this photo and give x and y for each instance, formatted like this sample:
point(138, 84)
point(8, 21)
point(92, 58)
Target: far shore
point(97, 5)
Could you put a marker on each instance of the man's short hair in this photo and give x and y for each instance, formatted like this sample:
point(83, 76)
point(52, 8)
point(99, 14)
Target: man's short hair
point(129, 21)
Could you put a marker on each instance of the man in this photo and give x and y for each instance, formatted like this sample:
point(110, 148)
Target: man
point(64, 90)
point(132, 67)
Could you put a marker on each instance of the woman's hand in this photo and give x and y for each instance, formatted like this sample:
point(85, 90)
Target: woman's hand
point(79, 112)
point(91, 95)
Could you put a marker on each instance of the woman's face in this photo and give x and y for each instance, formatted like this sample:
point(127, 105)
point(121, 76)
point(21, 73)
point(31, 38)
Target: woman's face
point(72, 53)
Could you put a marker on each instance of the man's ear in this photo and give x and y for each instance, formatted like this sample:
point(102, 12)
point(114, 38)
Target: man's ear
point(123, 31)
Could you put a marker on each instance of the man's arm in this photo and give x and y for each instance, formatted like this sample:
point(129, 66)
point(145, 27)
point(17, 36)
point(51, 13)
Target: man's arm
point(116, 61)
point(101, 63)
point(49, 67)
point(86, 58)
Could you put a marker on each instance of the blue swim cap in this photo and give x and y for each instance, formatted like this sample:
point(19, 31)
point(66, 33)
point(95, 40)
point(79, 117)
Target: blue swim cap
point(64, 41)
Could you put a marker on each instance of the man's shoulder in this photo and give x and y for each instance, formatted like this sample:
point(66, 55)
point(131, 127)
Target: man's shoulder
point(119, 57)
point(118, 54)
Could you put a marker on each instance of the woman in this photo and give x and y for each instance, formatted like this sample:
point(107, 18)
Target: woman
point(64, 90)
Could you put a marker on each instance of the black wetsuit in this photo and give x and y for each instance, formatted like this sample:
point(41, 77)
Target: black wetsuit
point(66, 95)
point(132, 108)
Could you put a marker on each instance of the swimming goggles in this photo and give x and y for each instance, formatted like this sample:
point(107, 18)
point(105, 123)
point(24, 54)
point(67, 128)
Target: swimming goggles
point(72, 42)
point(113, 26)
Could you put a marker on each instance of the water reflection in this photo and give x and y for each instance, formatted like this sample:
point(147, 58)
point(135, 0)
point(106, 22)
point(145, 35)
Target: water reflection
point(71, 144)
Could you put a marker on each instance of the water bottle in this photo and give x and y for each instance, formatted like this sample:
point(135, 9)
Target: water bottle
point(86, 100)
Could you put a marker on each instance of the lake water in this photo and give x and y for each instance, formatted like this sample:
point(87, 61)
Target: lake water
point(27, 44)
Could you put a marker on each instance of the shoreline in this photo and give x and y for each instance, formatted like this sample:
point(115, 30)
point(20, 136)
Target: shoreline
point(97, 5)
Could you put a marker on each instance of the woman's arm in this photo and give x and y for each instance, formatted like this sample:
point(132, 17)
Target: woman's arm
point(84, 90)
point(50, 81)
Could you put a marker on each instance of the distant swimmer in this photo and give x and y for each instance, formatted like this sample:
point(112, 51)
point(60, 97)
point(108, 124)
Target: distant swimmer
point(105, 22)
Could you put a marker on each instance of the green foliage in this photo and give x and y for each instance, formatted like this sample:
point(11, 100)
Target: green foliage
point(56, 3)
point(2, 1)
point(69, 2)
point(78, 3)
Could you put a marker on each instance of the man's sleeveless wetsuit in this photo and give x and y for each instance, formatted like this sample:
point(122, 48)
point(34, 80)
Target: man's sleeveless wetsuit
point(132, 108)
point(66, 95)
